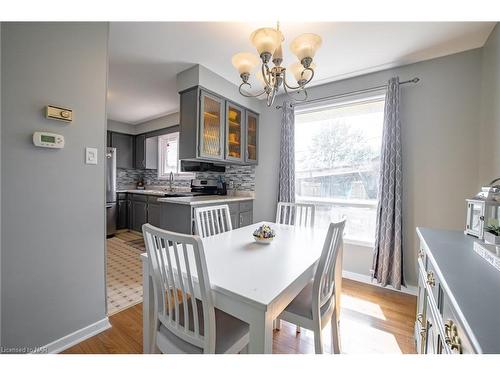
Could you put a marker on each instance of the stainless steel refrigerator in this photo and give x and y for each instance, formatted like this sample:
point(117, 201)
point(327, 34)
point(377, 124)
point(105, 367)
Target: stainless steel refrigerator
point(111, 209)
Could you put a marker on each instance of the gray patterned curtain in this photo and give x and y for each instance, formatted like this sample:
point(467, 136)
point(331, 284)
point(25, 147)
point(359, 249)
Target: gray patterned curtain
point(388, 252)
point(286, 191)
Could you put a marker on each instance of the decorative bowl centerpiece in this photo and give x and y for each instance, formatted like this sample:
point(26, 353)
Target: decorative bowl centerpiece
point(264, 234)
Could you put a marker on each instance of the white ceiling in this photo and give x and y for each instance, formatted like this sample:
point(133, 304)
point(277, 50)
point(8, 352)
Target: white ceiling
point(146, 57)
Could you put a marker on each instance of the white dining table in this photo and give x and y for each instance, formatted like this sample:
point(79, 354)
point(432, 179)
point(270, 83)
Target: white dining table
point(251, 281)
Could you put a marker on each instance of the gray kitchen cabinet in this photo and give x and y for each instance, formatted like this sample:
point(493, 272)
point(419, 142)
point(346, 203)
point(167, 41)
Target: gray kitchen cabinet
point(151, 152)
point(139, 214)
point(124, 144)
point(140, 151)
point(122, 217)
point(154, 214)
point(246, 218)
point(214, 129)
point(211, 131)
point(251, 137)
point(235, 220)
point(143, 209)
point(180, 217)
point(129, 212)
point(235, 125)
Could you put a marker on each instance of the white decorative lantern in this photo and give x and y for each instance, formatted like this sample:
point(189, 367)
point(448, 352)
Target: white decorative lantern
point(483, 210)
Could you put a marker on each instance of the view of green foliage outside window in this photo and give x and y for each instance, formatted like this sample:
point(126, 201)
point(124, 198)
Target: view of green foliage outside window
point(337, 161)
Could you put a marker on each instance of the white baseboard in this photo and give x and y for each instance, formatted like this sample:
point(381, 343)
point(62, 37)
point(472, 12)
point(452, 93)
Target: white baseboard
point(410, 289)
point(74, 338)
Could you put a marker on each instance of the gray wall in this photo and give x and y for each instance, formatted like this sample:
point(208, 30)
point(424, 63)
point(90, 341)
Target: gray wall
point(120, 127)
point(440, 142)
point(53, 215)
point(144, 127)
point(157, 123)
point(199, 75)
point(489, 167)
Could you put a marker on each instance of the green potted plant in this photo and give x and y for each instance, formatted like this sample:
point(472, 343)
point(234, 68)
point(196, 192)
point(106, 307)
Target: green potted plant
point(492, 233)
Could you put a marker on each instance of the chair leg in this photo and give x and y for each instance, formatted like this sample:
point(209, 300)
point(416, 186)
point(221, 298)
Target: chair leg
point(335, 334)
point(297, 329)
point(318, 341)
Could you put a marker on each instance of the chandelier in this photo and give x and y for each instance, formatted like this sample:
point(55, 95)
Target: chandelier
point(268, 41)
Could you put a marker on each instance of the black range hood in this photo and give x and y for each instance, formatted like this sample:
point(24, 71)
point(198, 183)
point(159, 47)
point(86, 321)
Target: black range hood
point(198, 166)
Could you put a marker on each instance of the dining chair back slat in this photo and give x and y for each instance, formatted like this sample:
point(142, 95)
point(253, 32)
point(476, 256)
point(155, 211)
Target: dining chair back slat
point(298, 214)
point(324, 277)
point(212, 220)
point(178, 264)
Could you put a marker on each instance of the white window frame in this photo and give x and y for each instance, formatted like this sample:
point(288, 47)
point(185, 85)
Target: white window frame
point(165, 175)
point(344, 100)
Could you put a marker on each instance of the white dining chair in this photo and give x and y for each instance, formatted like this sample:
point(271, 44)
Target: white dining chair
point(318, 303)
point(183, 323)
point(298, 214)
point(212, 220)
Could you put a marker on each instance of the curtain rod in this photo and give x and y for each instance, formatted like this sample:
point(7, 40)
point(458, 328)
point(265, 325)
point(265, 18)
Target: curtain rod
point(413, 80)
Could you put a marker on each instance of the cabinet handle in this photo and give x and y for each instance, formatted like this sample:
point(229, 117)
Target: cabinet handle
point(431, 280)
point(420, 319)
point(421, 254)
point(423, 332)
point(451, 337)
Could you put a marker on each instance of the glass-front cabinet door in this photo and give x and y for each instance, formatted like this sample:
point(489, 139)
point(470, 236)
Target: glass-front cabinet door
point(252, 136)
point(211, 126)
point(234, 132)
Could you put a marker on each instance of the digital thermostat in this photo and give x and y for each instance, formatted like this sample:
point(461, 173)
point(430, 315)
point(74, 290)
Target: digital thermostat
point(50, 140)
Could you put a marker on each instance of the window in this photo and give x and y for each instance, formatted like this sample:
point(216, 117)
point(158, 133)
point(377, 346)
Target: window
point(168, 156)
point(337, 156)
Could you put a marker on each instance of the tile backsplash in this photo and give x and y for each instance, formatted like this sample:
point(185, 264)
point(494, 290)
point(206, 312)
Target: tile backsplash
point(241, 176)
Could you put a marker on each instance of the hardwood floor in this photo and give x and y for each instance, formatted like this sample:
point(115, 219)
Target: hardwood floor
point(373, 320)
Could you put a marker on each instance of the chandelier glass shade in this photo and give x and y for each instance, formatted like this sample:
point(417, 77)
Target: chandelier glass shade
point(268, 43)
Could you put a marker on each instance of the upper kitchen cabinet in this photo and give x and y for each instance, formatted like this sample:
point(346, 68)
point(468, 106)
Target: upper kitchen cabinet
point(251, 137)
point(201, 126)
point(214, 129)
point(234, 132)
point(151, 153)
point(124, 144)
point(211, 126)
point(140, 151)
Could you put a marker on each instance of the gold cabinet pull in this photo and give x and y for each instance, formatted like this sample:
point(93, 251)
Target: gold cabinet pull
point(423, 332)
point(431, 280)
point(451, 337)
point(420, 319)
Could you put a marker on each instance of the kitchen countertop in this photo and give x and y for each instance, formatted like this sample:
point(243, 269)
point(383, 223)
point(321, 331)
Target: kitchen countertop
point(205, 199)
point(189, 200)
point(156, 193)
